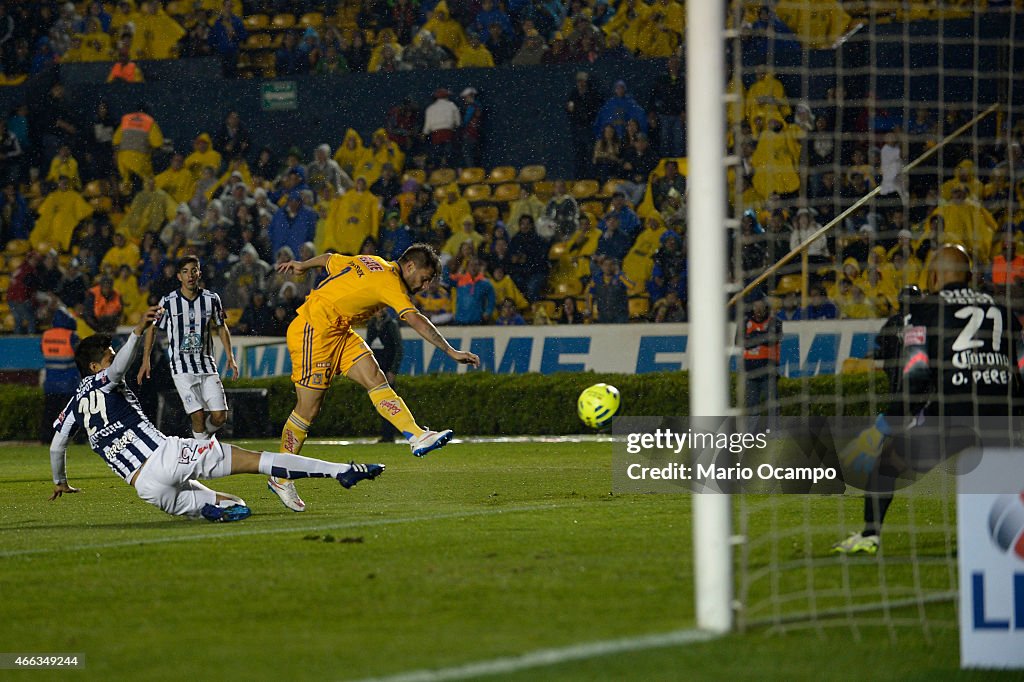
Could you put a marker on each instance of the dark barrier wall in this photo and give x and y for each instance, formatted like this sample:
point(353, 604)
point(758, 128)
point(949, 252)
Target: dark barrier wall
point(526, 122)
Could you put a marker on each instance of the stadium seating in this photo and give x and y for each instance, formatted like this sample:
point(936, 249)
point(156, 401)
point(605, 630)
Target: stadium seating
point(507, 192)
point(532, 173)
point(477, 193)
point(501, 174)
point(282, 22)
point(312, 20)
point(584, 189)
point(442, 176)
point(256, 22)
point(471, 176)
point(486, 215)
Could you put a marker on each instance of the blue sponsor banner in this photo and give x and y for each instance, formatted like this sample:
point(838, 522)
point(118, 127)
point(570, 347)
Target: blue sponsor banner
point(808, 349)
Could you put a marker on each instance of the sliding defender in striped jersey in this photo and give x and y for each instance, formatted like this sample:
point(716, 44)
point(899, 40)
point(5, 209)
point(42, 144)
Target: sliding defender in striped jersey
point(191, 317)
point(165, 470)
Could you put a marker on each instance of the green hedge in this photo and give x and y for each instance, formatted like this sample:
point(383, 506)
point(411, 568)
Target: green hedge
point(21, 412)
point(501, 404)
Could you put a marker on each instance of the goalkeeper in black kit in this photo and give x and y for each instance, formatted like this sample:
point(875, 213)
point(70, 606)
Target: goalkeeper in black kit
point(960, 386)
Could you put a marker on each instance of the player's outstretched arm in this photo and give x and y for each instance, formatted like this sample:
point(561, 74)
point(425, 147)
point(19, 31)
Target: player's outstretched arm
point(428, 331)
point(124, 358)
point(296, 267)
point(58, 456)
point(147, 354)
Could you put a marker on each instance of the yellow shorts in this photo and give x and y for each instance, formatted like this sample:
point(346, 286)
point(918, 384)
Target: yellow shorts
point(318, 356)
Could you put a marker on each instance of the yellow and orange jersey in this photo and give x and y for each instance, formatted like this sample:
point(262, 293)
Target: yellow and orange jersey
point(354, 289)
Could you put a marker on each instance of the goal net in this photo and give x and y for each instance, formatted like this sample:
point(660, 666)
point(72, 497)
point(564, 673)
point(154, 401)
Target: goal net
point(827, 101)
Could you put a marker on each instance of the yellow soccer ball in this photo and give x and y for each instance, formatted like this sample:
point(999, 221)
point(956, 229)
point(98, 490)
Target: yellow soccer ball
point(598, 404)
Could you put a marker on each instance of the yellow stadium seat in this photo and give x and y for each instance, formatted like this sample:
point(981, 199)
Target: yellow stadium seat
point(595, 208)
point(477, 193)
point(416, 174)
point(442, 176)
point(584, 189)
point(18, 247)
point(572, 287)
point(608, 188)
point(282, 21)
point(14, 262)
point(312, 20)
point(533, 173)
point(257, 41)
point(544, 189)
point(486, 215)
point(256, 22)
point(232, 316)
point(788, 284)
point(507, 192)
point(639, 307)
point(500, 174)
point(471, 176)
point(5, 283)
point(176, 8)
point(8, 323)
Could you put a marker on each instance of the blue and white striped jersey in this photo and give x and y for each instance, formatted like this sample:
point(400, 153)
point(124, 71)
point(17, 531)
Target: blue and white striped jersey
point(189, 332)
point(118, 430)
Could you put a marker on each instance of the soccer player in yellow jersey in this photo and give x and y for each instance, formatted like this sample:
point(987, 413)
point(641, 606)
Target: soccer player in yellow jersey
point(322, 344)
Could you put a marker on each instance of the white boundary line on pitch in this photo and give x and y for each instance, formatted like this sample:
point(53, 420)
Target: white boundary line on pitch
point(547, 657)
point(367, 523)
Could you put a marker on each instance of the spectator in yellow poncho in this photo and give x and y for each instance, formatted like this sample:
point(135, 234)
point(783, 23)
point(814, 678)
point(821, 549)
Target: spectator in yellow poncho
point(351, 219)
point(639, 262)
point(176, 180)
point(96, 45)
point(350, 153)
point(655, 39)
point(133, 300)
point(819, 24)
point(123, 252)
point(239, 166)
point(137, 135)
point(776, 161)
point(464, 233)
point(574, 264)
point(453, 210)
point(968, 224)
point(766, 98)
point(203, 155)
point(447, 32)
point(381, 151)
point(64, 165)
point(629, 19)
point(156, 33)
point(505, 289)
point(963, 176)
point(59, 214)
point(526, 204)
point(385, 38)
point(473, 53)
point(123, 14)
point(906, 266)
point(149, 211)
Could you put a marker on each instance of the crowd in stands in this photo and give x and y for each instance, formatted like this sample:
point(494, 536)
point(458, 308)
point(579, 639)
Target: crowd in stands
point(100, 231)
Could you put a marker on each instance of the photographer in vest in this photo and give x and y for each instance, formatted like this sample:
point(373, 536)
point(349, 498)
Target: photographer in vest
point(61, 378)
point(134, 141)
point(762, 336)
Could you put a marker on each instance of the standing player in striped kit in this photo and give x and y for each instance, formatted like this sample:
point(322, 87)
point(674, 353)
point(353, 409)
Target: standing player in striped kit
point(164, 470)
point(191, 316)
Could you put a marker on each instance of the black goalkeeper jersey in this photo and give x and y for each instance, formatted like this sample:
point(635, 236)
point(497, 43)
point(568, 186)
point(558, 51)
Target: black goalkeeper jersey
point(962, 356)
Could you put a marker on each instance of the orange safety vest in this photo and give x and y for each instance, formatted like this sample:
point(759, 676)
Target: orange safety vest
point(1003, 272)
point(123, 71)
point(137, 120)
point(105, 307)
point(765, 351)
point(57, 344)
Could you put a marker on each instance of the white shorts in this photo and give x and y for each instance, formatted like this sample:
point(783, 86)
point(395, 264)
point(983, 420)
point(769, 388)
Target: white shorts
point(168, 479)
point(201, 392)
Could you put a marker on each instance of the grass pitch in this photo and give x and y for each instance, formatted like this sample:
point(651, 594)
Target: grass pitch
point(475, 552)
